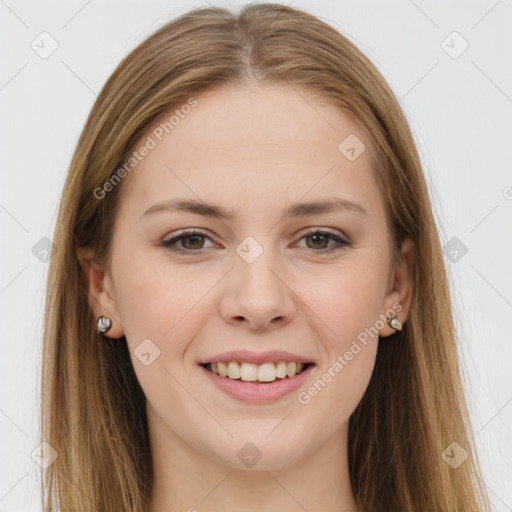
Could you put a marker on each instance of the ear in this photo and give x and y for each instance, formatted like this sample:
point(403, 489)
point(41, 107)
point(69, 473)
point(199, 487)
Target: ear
point(100, 291)
point(399, 293)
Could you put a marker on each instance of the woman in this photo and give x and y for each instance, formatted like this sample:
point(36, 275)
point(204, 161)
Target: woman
point(250, 309)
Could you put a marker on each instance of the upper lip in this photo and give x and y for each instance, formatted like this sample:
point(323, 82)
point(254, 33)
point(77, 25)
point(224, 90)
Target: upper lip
point(246, 356)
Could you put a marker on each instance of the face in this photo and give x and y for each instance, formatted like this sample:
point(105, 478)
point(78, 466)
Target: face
point(260, 275)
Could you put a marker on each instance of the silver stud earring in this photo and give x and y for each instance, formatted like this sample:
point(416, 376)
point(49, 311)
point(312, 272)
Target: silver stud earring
point(103, 325)
point(395, 323)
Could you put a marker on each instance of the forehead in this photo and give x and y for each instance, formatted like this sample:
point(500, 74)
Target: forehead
point(253, 144)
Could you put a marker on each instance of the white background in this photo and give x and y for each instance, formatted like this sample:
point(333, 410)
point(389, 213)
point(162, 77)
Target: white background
point(460, 111)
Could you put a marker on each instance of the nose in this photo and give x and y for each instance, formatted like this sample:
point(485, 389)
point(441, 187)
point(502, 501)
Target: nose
point(258, 295)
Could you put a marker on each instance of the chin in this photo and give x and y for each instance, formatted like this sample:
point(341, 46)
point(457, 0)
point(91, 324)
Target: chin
point(258, 455)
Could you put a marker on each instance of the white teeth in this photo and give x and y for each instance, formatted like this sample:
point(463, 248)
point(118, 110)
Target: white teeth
point(223, 370)
point(233, 371)
point(250, 372)
point(281, 370)
point(266, 372)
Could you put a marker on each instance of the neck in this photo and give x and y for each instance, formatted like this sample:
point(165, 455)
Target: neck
point(187, 480)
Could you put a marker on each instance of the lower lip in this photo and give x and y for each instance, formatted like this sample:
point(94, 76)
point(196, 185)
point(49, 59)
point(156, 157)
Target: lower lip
point(255, 392)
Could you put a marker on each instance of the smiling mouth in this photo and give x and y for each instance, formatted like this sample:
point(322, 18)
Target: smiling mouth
point(250, 372)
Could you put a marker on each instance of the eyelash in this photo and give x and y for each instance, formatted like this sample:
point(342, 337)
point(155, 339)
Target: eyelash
point(191, 232)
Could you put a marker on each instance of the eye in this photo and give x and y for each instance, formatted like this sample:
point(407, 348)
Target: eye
point(319, 237)
point(192, 241)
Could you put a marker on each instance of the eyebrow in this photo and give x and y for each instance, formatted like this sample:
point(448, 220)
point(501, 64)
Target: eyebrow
point(295, 210)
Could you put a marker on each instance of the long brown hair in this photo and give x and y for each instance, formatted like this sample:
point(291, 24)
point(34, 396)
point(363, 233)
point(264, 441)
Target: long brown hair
point(93, 409)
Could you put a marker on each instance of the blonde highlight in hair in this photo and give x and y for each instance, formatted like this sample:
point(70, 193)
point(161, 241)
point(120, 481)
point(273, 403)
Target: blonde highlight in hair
point(93, 408)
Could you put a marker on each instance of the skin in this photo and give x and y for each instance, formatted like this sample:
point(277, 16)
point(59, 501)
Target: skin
point(255, 150)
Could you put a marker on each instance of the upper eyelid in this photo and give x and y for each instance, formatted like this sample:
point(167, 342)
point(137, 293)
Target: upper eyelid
point(189, 232)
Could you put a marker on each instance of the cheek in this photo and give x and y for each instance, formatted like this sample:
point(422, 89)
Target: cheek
point(346, 298)
point(347, 306)
point(166, 304)
point(155, 298)
point(160, 307)
point(348, 333)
